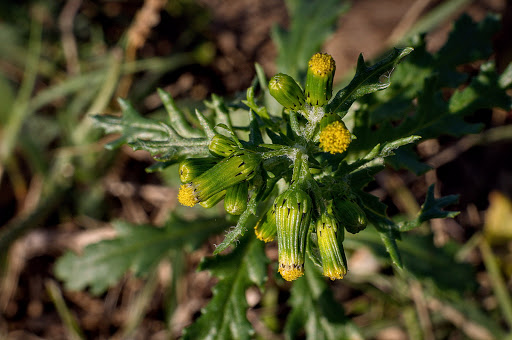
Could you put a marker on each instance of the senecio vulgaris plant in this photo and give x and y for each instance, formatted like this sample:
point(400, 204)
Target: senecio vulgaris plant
point(290, 168)
point(316, 205)
point(293, 177)
point(297, 174)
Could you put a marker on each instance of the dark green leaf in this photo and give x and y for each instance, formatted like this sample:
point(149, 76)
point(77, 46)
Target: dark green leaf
point(367, 80)
point(225, 315)
point(376, 155)
point(469, 41)
point(311, 23)
point(432, 208)
point(136, 248)
point(483, 92)
point(406, 158)
point(158, 138)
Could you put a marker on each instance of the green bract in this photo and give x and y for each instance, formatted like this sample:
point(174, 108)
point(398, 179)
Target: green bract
point(193, 167)
point(235, 201)
point(239, 167)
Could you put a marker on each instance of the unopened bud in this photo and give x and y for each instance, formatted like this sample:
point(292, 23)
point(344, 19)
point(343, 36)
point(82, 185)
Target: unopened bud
point(235, 201)
point(266, 228)
point(222, 146)
point(351, 216)
point(286, 91)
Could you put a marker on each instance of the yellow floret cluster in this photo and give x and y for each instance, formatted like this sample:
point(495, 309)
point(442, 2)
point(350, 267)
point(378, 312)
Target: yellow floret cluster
point(291, 272)
point(322, 64)
point(334, 274)
point(335, 138)
point(186, 195)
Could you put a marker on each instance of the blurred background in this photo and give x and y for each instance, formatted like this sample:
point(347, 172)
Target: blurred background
point(61, 61)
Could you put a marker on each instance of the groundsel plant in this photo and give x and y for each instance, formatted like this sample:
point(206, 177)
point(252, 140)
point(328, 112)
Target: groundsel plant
point(292, 176)
point(290, 162)
point(287, 173)
point(316, 205)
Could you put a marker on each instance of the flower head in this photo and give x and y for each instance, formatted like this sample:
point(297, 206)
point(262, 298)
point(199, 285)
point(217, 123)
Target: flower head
point(238, 167)
point(333, 261)
point(186, 195)
point(319, 78)
point(335, 138)
point(322, 64)
point(293, 213)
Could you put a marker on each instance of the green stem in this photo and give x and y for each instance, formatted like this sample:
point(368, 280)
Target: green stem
point(320, 200)
point(499, 286)
point(297, 165)
point(69, 321)
point(20, 109)
point(285, 151)
point(294, 123)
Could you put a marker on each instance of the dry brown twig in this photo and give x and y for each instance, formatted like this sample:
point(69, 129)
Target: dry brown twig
point(145, 19)
point(66, 20)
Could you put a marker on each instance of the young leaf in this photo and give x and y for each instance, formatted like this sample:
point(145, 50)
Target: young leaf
point(367, 80)
point(136, 248)
point(131, 125)
point(315, 310)
point(377, 154)
point(225, 315)
point(177, 118)
point(311, 23)
point(159, 139)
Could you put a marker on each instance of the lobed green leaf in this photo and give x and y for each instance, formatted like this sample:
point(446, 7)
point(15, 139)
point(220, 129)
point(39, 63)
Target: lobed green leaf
point(311, 23)
point(367, 80)
point(315, 310)
point(136, 247)
point(225, 315)
point(432, 208)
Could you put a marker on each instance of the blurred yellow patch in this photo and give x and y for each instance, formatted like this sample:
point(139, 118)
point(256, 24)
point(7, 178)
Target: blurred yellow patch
point(498, 219)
